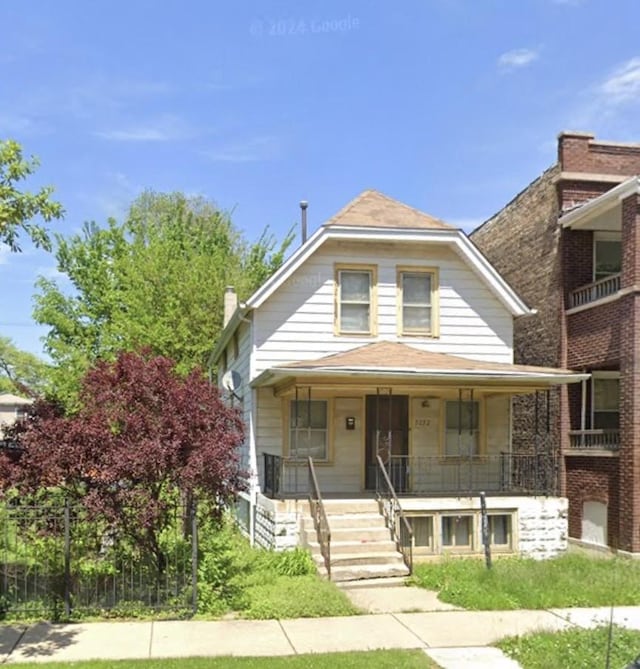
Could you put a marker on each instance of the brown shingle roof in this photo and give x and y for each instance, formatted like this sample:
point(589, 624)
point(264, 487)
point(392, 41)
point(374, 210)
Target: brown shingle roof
point(373, 209)
point(391, 355)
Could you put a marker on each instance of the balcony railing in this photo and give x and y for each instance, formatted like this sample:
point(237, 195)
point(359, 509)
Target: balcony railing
point(284, 477)
point(595, 291)
point(594, 440)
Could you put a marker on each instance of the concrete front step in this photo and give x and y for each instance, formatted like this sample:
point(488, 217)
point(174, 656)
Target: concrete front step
point(353, 534)
point(387, 558)
point(342, 573)
point(341, 547)
point(351, 506)
point(349, 520)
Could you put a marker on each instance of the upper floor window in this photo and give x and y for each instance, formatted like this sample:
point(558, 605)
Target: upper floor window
point(462, 429)
point(417, 301)
point(355, 299)
point(605, 400)
point(607, 254)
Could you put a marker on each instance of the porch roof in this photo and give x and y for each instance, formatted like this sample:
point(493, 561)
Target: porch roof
point(404, 363)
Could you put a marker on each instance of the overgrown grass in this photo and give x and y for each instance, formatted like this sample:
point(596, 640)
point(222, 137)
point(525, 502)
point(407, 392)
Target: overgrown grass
point(380, 659)
point(516, 583)
point(258, 584)
point(574, 648)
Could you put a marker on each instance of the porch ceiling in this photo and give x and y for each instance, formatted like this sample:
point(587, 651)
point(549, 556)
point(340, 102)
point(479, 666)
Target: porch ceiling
point(394, 362)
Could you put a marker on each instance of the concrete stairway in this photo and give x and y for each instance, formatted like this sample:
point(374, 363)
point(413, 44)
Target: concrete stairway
point(361, 545)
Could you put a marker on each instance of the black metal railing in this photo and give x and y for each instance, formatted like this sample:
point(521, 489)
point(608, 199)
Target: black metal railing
point(605, 440)
point(499, 473)
point(284, 477)
point(396, 520)
point(319, 515)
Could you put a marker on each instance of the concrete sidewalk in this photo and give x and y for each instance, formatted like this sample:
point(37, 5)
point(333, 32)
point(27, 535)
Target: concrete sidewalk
point(454, 639)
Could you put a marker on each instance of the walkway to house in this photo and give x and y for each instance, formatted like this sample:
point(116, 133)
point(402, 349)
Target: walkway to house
point(455, 639)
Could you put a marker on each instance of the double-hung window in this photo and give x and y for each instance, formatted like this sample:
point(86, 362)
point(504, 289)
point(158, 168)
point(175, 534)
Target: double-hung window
point(607, 254)
point(605, 400)
point(308, 433)
point(355, 303)
point(417, 297)
point(462, 429)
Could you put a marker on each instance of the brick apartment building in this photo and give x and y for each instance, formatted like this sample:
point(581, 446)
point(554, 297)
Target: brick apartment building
point(569, 243)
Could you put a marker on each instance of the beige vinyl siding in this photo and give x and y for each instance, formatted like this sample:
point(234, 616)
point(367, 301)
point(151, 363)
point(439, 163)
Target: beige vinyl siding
point(297, 321)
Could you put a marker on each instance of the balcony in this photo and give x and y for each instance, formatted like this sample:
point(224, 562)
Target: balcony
point(592, 292)
point(594, 442)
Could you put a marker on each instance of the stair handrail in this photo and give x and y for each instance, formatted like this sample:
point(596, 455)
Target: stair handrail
point(319, 515)
point(395, 516)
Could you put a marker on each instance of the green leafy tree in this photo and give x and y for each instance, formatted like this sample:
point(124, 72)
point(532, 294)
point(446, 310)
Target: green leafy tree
point(21, 372)
point(18, 208)
point(155, 281)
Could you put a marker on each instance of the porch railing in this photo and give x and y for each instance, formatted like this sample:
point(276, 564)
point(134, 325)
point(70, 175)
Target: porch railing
point(605, 440)
point(319, 516)
point(284, 477)
point(501, 473)
point(595, 291)
point(397, 522)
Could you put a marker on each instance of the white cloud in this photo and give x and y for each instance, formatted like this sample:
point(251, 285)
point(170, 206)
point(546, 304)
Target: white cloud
point(164, 129)
point(252, 150)
point(517, 58)
point(622, 85)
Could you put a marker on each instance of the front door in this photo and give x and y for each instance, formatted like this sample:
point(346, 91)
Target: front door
point(387, 434)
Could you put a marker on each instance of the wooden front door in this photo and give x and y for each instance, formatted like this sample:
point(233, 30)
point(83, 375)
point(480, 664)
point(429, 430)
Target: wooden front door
point(387, 434)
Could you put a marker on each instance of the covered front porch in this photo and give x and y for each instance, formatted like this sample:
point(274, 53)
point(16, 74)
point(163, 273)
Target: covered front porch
point(432, 424)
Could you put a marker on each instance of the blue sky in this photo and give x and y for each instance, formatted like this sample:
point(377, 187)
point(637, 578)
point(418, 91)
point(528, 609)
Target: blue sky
point(452, 106)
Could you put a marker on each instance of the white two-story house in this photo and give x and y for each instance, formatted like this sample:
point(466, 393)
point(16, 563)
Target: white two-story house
point(377, 362)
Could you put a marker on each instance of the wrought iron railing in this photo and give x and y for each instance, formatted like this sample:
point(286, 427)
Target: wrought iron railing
point(319, 515)
point(284, 477)
point(397, 522)
point(499, 473)
point(591, 440)
point(595, 291)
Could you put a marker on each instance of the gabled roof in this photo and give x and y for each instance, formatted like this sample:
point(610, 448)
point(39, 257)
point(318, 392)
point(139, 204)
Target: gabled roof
point(374, 217)
point(373, 209)
point(406, 362)
point(582, 214)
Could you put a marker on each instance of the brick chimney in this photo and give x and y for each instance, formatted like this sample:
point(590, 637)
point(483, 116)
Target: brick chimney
point(230, 304)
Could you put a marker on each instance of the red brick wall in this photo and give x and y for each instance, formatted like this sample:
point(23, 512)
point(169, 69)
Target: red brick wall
point(577, 259)
point(593, 479)
point(582, 153)
point(593, 337)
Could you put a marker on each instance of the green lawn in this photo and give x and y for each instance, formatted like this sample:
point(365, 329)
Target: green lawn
point(516, 583)
point(573, 649)
point(380, 659)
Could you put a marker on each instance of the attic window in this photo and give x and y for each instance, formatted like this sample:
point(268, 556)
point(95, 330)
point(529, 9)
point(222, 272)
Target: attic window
point(355, 300)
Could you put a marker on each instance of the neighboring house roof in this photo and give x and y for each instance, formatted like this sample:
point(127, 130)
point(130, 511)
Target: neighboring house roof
point(13, 400)
point(401, 360)
point(375, 210)
point(371, 217)
point(583, 214)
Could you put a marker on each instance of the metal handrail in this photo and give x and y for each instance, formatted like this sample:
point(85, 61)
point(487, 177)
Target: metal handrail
point(319, 515)
point(394, 515)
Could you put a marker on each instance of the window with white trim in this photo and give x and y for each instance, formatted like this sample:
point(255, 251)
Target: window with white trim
point(308, 433)
point(422, 527)
point(500, 530)
point(417, 289)
point(457, 531)
point(462, 428)
point(605, 400)
point(355, 300)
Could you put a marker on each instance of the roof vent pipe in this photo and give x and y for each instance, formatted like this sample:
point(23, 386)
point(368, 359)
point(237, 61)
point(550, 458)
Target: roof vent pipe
point(303, 222)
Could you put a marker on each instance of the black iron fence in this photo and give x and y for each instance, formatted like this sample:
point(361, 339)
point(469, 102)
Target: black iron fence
point(57, 562)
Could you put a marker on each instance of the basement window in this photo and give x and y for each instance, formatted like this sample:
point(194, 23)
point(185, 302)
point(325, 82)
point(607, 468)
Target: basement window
point(422, 527)
point(457, 532)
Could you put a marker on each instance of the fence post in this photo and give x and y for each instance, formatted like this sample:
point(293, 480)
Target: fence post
point(67, 559)
point(194, 555)
point(485, 530)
